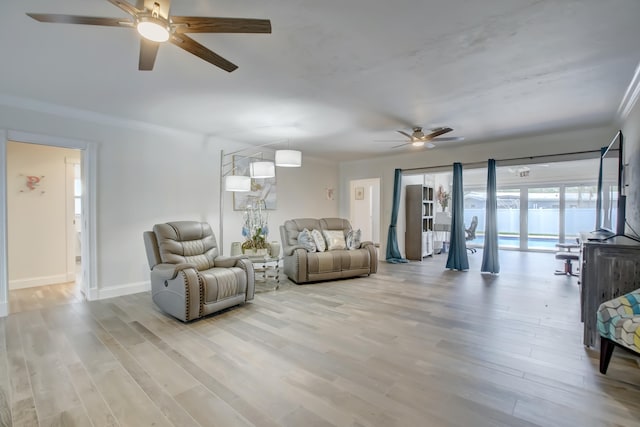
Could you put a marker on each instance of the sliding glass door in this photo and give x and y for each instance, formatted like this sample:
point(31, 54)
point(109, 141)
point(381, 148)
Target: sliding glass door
point(509, 222)
point(543, 218)
point(539, 205)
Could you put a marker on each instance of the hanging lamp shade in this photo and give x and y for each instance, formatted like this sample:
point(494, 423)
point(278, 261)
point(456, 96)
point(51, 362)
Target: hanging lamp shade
point(237, 183)
point(288, 158)
point(262, 169)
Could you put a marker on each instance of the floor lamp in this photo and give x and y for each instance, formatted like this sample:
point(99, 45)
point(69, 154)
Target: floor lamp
point(259, 167)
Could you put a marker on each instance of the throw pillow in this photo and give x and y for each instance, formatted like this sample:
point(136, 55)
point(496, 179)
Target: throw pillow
point(335, 239)
point(306, 240)
point(321, 246)
point(354, 239)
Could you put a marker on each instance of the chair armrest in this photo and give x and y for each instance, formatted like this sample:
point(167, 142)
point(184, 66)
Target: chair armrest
point(373, 254)
point(170, 271)
point(289, 250)
point(227, 261)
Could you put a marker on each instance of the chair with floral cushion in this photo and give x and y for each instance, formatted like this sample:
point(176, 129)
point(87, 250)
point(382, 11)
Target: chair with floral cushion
point(619, 326)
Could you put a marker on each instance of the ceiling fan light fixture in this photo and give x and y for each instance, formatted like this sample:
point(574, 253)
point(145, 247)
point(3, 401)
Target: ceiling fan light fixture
point(289, 158)
point(153, 28)
point(418, 143)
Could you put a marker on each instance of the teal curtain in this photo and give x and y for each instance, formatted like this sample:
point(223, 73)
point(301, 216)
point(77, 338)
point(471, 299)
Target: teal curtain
point(457, 259)
point(490, 260)
point(393, 252)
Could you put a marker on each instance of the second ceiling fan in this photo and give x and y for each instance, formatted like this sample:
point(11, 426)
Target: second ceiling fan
point(419, 139)
point(154, 23)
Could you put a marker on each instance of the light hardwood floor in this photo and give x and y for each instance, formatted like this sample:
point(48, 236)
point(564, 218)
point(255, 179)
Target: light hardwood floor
point(414, 345)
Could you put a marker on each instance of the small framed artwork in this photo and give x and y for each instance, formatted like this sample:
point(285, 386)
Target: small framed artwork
point(359, 191)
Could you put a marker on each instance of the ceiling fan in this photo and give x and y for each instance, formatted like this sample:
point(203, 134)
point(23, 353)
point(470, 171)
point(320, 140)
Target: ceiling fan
point(154, 23)
point(419, 139)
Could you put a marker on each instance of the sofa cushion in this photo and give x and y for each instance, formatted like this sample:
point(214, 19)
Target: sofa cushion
point(294, 226)
point(186, 242)
point(355, 260)
point(321, 245)
point(222, 283)
point(335, 239)
point(354, 239)
point(324, 262)
point(306, 240)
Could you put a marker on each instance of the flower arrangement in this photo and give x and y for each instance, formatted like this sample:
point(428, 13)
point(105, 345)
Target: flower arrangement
point(443, 198)
point(255, 229)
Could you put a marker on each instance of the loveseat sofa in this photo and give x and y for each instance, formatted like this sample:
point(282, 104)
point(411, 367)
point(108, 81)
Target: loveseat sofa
point(302, 265)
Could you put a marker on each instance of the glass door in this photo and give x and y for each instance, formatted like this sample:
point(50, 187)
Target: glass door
point(509, 217)
point(543, 218)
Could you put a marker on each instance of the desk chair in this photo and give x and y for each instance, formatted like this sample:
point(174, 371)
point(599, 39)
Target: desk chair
point(470, 233)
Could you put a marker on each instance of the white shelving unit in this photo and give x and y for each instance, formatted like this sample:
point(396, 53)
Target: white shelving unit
point(419, 222)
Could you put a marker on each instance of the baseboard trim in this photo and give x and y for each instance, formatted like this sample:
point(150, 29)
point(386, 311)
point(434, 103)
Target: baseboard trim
point(38, 281)
point(120, 290)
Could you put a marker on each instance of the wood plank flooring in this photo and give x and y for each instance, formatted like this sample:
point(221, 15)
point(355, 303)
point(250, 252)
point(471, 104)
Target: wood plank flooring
point(414, 345)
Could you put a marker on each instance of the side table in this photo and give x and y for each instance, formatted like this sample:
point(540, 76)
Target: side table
point(267, 270)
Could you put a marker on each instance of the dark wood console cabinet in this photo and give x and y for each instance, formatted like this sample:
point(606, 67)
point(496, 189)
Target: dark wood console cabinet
point(609, 268)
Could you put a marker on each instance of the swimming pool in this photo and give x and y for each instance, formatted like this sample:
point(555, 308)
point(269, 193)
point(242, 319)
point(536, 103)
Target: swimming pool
point(534, 242)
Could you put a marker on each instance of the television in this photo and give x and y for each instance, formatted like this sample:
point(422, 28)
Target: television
point(611, 201)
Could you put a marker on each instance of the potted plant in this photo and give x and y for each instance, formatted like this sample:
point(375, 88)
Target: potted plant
point(255, 230)
point(443, 198)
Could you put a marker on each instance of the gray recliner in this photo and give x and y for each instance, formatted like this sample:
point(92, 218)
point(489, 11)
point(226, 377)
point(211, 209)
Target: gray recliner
point(188, 277)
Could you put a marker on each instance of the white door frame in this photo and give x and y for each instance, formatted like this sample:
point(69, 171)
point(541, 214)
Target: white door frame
point(89, 253)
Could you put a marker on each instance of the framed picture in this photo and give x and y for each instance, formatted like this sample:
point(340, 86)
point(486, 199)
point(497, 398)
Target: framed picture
point(261, 188)
point(359, 193)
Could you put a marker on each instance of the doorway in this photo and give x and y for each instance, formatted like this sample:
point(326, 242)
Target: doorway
point(34, 186)
point(365, 208)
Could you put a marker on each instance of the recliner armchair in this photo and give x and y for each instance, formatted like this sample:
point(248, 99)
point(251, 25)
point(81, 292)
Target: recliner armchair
point(188, 277)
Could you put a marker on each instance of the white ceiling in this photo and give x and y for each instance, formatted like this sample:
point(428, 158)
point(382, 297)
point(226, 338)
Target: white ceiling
point(336, 79)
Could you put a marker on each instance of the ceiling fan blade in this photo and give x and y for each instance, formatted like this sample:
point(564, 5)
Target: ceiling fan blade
point(126, 6)
point(197, 24)
point(148, 52)
point(86, 20)
point(187, 43)
point(429, 145)
point(405, 134)
point(402, 145)
point(448, 138)
point(437, 132)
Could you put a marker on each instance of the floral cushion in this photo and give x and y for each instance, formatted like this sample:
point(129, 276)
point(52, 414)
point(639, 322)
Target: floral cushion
point(305, 239)
point(335, 239)
point(353, 239)
point(321, 246)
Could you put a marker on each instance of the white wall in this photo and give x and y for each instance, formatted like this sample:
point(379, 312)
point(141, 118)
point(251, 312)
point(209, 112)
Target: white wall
point(38, 217)
point(147, 175)
point(631, 133)
point(383, 167)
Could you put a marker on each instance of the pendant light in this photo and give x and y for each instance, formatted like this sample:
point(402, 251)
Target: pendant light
point(289, 158)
